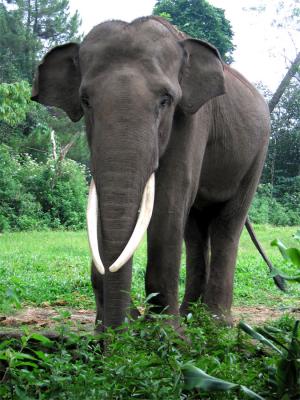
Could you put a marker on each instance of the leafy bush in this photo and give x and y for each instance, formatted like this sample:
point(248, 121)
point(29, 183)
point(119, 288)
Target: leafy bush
point(38, 195)
point(15, 102)
point(279, 205)
point(284, 374)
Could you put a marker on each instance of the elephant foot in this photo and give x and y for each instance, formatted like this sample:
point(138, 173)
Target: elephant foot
point(185, 309)
point(99, 327)
point(221, 316)
point(170, 320)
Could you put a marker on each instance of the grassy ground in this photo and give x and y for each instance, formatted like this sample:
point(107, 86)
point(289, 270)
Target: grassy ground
point(53, 268)
point(147, 359)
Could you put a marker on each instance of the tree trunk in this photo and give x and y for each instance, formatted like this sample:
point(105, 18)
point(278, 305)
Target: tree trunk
point(53, 142)
point(65, 149)
point(284, 83)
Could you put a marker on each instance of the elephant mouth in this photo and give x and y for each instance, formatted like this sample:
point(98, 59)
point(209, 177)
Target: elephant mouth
point(146, 209)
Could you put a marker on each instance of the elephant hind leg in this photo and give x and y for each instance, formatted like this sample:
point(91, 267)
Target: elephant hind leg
point(197, 244)
point(225, 236)
point(225, 232)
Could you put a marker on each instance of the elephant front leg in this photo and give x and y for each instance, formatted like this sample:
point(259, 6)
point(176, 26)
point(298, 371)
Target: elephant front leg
point(165, 238)
point(97, 284)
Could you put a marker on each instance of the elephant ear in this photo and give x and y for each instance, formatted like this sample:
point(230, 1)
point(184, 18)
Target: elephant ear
point(202, 76)
point(58, 79)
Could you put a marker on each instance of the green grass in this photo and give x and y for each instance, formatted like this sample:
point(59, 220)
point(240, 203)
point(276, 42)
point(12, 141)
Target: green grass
point(46, 267)
point(145, 360)
point(253, 285)
point(54, 268)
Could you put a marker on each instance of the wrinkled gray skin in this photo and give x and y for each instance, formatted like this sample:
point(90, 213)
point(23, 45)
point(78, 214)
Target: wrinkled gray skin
point(155, 100)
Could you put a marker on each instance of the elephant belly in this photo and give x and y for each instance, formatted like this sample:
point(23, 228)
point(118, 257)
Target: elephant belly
point(220, 178)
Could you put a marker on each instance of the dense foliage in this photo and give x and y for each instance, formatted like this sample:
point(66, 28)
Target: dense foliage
point(200, 20)
point(147, 360)
point(36, 195)
point(283, 160)
point(25, 125)
point(277, 205)
point(277, 200)
point(36, 190)
point(28, 28)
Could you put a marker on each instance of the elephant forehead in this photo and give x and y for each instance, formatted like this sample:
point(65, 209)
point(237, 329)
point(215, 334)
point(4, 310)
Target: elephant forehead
point(148, 43)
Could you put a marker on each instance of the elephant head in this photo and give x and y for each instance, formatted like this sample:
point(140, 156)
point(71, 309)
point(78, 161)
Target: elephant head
point(129, 81)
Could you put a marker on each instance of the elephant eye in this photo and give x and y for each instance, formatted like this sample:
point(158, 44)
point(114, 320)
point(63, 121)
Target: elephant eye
point(85, 101)
point(166, 100)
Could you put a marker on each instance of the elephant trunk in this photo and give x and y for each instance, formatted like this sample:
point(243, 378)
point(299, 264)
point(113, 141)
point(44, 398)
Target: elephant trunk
point(145, 213)
point(117, 228)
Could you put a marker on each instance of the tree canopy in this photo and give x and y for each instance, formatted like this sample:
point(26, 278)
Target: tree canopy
point(28, 28)
point(200, 20)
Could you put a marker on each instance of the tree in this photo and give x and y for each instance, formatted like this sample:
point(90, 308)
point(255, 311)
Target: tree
point(26, 125)
point(280, 191)
point(291, 73)
point(28, 28)
point(283, 160)
point(201, 20)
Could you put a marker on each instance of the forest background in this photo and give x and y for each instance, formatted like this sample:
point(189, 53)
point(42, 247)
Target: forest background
point(44, 158)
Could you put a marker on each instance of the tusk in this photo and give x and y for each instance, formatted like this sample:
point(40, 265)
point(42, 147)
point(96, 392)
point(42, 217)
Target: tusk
point(140, 227)
point(92, 222)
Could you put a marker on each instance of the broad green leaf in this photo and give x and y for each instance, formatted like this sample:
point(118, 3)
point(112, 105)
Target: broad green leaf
point(266, 334)
point(272, 329)
point(25, 364)
point(295, 278)
point(6, 343)
point(294, 350)
point(294, 255)
point(40, 338)
point(196, 378)
point(151, 295)
point(287, 376)
point(282, 248)
point(250, 393)
point(41, 355)
point(22, 356)
point(250, 331)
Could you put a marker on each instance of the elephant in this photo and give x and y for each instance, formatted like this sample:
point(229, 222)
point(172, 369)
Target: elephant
point(178, 141)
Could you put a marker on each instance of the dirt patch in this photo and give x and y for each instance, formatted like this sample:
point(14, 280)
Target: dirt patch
point(259, 315)
point(50, 318)
point(83, 320)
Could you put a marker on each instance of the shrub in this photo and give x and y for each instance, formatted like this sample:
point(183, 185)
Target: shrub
point(63, 194)
point(279, 205)
point(37, 195)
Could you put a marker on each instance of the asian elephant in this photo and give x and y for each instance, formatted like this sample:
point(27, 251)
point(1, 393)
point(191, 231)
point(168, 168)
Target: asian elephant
point(157, 102)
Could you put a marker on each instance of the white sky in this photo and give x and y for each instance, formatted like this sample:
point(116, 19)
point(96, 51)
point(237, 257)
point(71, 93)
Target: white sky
point(261, 50)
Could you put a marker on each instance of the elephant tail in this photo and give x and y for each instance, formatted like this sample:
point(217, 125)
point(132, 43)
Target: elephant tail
point(278, 279)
